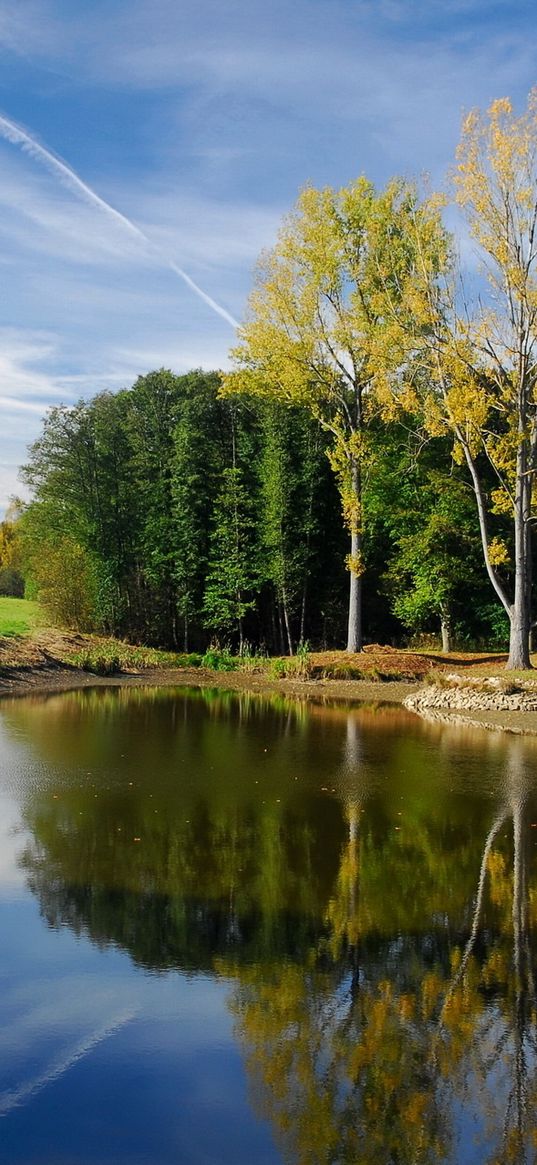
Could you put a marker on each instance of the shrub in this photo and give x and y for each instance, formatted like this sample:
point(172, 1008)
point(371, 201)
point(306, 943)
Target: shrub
point(293, 666)
point(189, 659)
point(11, 583)
point(65, 583)
point(219, 659)
point(97, 662)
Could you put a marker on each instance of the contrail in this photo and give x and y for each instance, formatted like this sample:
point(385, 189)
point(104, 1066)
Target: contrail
point(19, 137)
point(17, 1096)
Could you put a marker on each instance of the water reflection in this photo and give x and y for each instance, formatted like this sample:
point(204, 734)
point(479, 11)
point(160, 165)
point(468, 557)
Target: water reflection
point(365, 883)
point(398, 1050)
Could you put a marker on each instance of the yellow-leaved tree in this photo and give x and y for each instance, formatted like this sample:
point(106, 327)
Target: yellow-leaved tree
point(479, 353)
point(321, 331)
point(496, 185)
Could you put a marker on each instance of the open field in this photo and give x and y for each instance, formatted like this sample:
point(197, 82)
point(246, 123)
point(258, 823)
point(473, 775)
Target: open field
point(19, 616)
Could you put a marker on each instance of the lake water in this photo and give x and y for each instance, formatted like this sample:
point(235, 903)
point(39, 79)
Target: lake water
point(239, 931)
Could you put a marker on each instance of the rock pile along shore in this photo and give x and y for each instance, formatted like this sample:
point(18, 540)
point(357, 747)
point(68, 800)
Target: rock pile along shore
point(478, 696)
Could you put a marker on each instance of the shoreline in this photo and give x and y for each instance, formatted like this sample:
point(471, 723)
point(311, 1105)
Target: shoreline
point(47, 680)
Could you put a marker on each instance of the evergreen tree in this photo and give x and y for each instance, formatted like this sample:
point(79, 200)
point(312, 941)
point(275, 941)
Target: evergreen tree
point(232, 578)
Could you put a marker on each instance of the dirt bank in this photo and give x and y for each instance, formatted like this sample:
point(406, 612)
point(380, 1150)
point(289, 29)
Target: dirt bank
point(57, 678)
point(38, 664)
point(44, 661)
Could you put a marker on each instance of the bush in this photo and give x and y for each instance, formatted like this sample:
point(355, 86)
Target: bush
point(219, 659)
point(99, 663)
point(11, 583)
point(108, 658)
point(65, 583)
point(296, 667)
point(190, 659)
point(252, 660)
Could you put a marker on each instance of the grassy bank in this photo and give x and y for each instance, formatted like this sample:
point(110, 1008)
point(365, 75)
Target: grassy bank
point(35, 658)
point(19, 616)
point(28, 645)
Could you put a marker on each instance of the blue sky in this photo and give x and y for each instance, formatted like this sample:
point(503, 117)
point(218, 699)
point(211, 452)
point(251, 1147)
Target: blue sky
point(199, 122)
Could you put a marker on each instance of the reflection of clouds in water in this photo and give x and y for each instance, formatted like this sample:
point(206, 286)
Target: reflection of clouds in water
point(49, 1025)
point(52, 1025)
point(12, 841)
point(22, 773)
point(16, 776)
point(57, 1067)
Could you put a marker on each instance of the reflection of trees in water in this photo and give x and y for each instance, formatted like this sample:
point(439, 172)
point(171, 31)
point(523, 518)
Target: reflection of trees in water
point(374, 992)
point(337, 1050)
point(487, 1020)
point(368, 1057)
point(197, 886)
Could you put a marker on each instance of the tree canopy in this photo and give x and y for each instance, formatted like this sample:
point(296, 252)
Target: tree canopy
point(212, 505)
point(318, 335)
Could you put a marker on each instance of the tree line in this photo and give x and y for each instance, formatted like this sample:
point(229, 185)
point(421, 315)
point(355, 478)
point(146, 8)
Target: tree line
point(362, 309)
point(168, 514)
point(194, 506)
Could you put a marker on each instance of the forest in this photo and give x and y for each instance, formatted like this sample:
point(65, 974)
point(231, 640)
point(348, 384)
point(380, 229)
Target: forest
point(168, 515)
point(364, 472)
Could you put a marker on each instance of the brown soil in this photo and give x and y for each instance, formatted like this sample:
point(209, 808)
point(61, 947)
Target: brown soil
point(378, 660)
point(36, 663)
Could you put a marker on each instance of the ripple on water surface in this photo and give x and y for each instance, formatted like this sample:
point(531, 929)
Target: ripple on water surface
point(242, 929)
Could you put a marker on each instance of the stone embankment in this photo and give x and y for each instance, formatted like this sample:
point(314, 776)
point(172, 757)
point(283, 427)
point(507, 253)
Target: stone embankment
point(457, 694)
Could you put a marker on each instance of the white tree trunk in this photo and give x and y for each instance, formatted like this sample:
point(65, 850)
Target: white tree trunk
point(354, 635)
point(520, 614)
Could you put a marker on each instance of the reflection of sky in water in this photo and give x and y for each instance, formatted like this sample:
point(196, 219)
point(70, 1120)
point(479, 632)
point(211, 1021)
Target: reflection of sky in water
point(89, 1045)
point(11, 841)
point(101, 1062)
point(104, 1063)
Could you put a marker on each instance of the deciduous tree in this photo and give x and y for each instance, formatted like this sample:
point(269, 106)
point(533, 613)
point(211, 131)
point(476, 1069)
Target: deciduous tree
point(479, 355)
point(318, 333)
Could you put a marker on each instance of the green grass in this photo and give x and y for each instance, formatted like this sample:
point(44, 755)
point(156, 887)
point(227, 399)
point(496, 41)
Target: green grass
point(112, 656)
point(18, 616)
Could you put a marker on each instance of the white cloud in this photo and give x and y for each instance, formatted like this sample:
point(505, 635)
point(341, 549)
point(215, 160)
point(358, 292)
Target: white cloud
point(200, 123)
point(30, 28)
point(20, 351)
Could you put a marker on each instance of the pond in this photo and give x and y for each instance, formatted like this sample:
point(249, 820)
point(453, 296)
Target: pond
point(239, 930)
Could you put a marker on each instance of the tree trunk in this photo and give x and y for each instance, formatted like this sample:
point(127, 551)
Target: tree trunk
point(446, 629)
point(303, 614)
point(307, 558)
point(519, 651)
point(174, 623)
point(185, 633)
point(520, 613)
point(286, 622)
point(281, 644)
point(354, 636)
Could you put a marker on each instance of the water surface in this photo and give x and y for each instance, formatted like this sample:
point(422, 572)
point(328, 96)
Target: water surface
point(243, 931)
